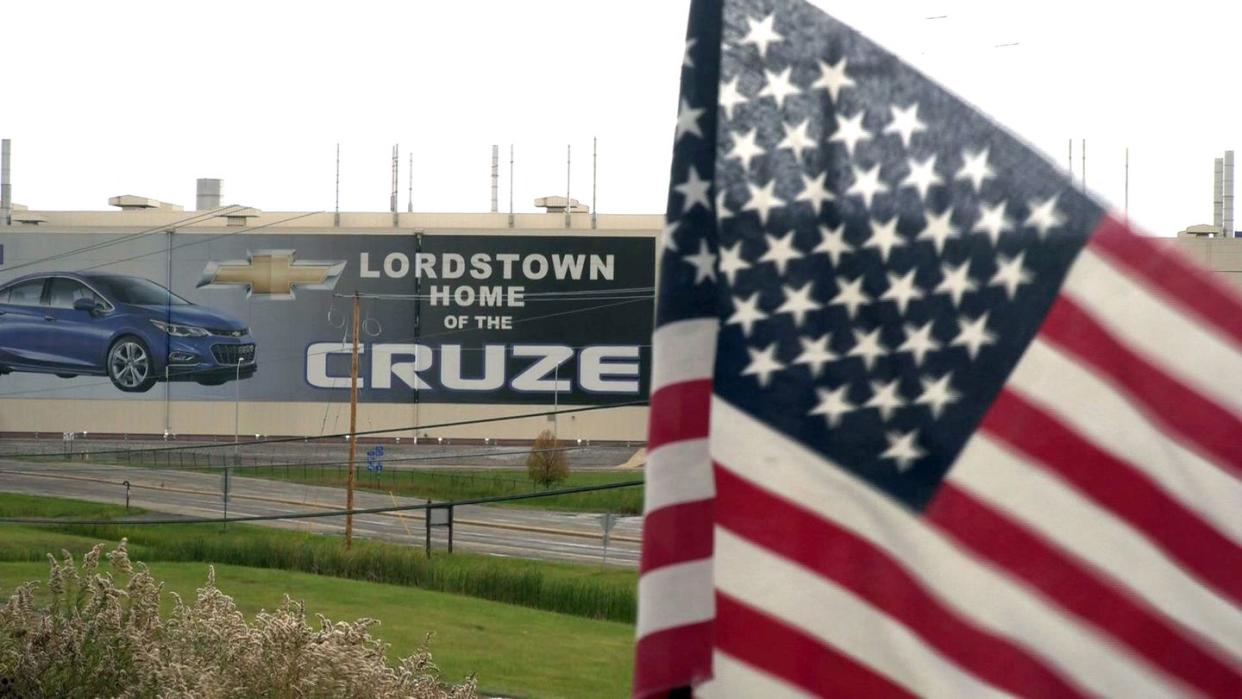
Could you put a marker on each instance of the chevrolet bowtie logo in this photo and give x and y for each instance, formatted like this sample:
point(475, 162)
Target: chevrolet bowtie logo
point(271, 273)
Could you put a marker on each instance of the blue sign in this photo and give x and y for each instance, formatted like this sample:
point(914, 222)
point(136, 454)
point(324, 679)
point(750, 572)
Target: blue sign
point(375, 463)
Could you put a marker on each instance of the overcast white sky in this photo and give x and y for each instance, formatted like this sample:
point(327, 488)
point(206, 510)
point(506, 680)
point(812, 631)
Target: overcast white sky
point(106, 98)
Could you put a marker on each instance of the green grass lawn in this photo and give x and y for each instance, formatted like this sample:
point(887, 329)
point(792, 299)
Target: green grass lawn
point(515, 651)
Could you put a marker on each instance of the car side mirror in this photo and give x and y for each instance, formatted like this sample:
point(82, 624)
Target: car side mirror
point(86, 304)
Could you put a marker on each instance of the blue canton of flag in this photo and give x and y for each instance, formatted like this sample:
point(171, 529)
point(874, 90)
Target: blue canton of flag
point(894, 346)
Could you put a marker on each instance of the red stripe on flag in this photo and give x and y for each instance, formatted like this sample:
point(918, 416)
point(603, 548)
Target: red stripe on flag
point(1166, 271)
point(1116, 486)
point(672, 659)
point(871, 573)
point(1076, 588)
point(768, 644)
point(679, 411)
point(1186, 413)
point(677, 534)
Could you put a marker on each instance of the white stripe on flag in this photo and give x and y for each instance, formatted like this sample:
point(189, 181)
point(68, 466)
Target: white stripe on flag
point(678, 472)
point(675, 595)
point(1157, 329)
point(822, 609)
point(992, 473)
point(974, 590)
point(733, 678)
point(683, 351)
point(1057, 383)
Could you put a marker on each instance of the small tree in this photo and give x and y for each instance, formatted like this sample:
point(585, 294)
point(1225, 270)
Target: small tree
point(547, 464)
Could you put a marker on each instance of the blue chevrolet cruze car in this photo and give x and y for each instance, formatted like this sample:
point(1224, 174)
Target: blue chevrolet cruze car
point(129, 329)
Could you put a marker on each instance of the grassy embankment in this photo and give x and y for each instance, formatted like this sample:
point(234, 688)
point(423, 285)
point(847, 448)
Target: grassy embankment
point(516, 651)
point(587, 591)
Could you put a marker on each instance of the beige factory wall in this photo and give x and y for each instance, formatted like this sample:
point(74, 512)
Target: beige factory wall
point(624, 424)
point(1221, 255)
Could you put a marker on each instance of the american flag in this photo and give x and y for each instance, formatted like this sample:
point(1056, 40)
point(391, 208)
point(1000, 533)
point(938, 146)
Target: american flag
point(925, 419)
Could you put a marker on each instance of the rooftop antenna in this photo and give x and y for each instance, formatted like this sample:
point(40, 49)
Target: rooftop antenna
point(568, 161)
point(1127, 209)
point(1084, 164)
point(409, 198)
point(1071, 160)
point(1226, 197)
point(495, 177)
point(392, 199)
point(511, 185)
point(6, 187)
point(594, 174)
point(1218, 169)
point(336, 210)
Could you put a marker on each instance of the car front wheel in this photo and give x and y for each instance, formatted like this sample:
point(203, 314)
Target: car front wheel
point(130, 366)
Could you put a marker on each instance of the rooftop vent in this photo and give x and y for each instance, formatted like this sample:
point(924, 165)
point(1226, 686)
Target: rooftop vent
point(131, 202)
point(557, 205)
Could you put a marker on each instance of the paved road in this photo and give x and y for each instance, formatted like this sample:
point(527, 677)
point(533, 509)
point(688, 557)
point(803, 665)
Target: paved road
point(491, 530)
point(405, 454)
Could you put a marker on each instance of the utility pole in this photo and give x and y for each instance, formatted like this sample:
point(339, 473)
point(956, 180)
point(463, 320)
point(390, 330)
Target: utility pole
point(353, 432)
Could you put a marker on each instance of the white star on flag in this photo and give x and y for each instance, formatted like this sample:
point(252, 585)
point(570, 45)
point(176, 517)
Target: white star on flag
point(762, 34)
point(850, 131)
point(704, 263)
point(1010, 274)
point(731, 97)
point(902, 290)
point(850, 295)
point(867, 346)
point(814, 191)
point(922, 176)
point(956, 282)
point(746, 313)
point(993, 222)
point(832, 243)
point(762, 200)
point(973, 335)
point(833, 78)
point(905, 123)
point(903, 448)
point(732, 262)
point(1044, 216)
point(886, 398)
point(884, 237)
point(798, 303)
point(919, 342)
point(797, 139)
point(867, 184)
point(939, 228)
point(832, 404)
point(975, 168)
point(779, 86)
point(763, 364)
point(695, 190)
point(937, 394)
point(780, 251)
point(745, 148)
point(815, 353)
point(688, 120)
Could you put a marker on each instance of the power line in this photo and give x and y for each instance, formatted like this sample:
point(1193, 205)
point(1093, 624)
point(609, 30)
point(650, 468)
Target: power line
point(189, 220)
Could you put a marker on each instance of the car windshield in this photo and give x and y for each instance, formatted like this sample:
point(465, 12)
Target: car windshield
point(138, 291)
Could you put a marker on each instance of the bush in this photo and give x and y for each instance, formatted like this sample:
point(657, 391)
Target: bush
point(97, 639)
point(547, 464)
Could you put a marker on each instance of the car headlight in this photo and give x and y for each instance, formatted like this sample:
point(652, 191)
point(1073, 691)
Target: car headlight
point(180, 330)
